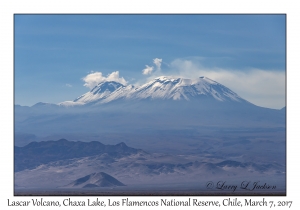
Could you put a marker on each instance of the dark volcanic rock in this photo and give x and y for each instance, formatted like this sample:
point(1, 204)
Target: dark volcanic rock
point(100, 179)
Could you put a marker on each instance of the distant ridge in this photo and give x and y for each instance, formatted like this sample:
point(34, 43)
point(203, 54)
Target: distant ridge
point(37, 153)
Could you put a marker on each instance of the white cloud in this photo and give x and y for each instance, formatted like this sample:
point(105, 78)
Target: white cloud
point(69, 85)
point(157, 62)
point(148, 70)
point(262, 87)
point(94, 78)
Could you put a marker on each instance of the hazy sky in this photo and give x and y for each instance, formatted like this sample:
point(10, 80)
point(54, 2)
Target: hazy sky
point(59, 57)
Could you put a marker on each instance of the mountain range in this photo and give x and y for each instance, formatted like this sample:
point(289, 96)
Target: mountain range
point(37, 153)
point(187, 130)
point(164, 88)
point(166, 104)
point(45, 166)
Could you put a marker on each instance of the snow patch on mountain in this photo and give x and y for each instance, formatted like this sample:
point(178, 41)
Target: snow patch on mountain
point(71, 103)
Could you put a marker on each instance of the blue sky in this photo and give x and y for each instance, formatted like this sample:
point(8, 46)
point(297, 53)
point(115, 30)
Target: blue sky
point(53, 53)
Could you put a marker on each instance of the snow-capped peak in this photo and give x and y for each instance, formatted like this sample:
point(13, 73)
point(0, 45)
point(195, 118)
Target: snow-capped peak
point(166, 78)
point(163, 87)
point(100, 91)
